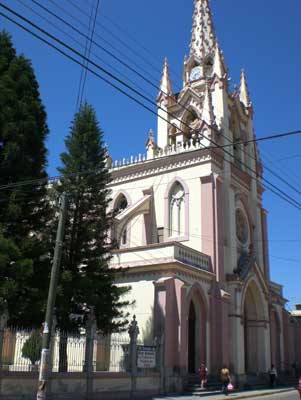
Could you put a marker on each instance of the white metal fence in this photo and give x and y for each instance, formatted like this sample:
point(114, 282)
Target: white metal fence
point(21, 351)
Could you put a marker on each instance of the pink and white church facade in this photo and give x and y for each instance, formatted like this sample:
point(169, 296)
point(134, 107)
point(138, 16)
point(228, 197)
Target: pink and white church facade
point(191, 226)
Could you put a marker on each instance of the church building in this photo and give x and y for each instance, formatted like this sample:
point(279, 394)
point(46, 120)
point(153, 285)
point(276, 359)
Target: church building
point(192, 229)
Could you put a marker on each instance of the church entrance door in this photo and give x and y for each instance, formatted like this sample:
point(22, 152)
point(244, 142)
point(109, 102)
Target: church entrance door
point(191, 339)
point(275, 340)
point(254, 330)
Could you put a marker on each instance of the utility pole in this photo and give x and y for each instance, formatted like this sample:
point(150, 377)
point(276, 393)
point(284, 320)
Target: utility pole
point(45, 354)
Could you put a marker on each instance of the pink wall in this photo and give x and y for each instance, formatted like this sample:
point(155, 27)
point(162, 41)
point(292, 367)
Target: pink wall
point(218, 331)
point(265, 244)
point(212, 223)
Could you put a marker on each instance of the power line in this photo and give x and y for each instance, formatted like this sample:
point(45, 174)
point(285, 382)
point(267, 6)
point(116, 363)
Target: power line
point(144, 71)
point(154, 85)
point(50, 180)
point(80, 44)
point(293, 187)
point(118, 39)
point(82, 72)
point(89, 52)
point(271, 186)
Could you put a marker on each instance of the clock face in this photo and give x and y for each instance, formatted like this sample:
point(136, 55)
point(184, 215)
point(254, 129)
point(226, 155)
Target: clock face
point(195, 73)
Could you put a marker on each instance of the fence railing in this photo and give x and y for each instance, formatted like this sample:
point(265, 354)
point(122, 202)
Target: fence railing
point(21, 351)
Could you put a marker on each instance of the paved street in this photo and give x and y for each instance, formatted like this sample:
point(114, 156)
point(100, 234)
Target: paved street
point(262, 394)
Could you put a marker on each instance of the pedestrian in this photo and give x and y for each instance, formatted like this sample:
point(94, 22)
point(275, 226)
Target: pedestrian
point(273, 376)
point(226, 380)
point(203, 375)
point(299, 387)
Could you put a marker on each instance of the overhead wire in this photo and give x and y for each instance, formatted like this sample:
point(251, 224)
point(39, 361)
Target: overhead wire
point(89, 51)
point(56, 178)
point(51, 23)
point(124, 55)
point(149, 63)
point(271, 187)
point(78, 100)
point(293, 187)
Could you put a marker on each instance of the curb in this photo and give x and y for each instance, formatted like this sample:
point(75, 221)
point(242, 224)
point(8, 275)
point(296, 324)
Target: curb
point(257, 394)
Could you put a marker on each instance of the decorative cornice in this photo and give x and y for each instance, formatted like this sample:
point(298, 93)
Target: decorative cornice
point(176, 269)
point(165, 164)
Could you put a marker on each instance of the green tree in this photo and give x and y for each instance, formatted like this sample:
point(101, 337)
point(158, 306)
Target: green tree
point(23, 209)
point(32, 347)
point(86, 282)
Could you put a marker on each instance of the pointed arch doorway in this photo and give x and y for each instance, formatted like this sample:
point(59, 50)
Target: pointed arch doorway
point(254, 330)
point(196, 334)
point(192, 338)
point(275, 339)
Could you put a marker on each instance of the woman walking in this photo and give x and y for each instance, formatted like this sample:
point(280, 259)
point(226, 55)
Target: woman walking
point(203, 375)
point(226, 380)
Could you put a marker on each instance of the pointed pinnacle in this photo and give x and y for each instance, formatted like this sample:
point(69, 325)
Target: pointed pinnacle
point(207, 112)
point(244, 95)
point(165, 85)
point(218, 65)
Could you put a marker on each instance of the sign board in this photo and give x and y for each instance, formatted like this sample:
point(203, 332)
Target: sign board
point(146, 356)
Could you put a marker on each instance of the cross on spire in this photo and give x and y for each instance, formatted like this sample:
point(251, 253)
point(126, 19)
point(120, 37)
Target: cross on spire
point(203, 35)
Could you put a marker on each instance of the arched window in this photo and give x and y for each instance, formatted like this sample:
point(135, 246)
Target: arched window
point(121, 203)
point(176, 204)
point(191, 124)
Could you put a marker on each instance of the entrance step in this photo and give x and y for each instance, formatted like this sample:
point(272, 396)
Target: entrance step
point(193, 386)
point(201, 393)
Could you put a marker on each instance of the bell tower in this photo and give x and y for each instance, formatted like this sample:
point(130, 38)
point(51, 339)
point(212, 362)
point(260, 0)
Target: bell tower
point(189, 118)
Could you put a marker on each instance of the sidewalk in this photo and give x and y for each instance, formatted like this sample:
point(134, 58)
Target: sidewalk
point(290, 393)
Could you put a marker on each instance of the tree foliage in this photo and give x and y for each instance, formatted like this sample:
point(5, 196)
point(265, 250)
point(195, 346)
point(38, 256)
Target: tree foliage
point(86, 281)
point(23, 210)
point(32, 347)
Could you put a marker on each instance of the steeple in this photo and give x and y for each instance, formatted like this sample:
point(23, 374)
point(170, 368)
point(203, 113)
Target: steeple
point(244, 95)
point(203, 35)
point(165, 85)
point(207, 112)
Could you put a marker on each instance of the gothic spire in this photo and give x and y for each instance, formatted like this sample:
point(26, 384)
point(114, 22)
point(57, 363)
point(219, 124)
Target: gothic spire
point(218, 65)
point(244, 95)
point(165, 85)
point(203, 34)
point(207, 112)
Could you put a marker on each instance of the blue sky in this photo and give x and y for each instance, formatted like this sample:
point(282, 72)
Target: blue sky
point(261, 36)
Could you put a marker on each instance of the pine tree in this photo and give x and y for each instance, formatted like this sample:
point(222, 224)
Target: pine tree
point(86, 281)
point(23, 216)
